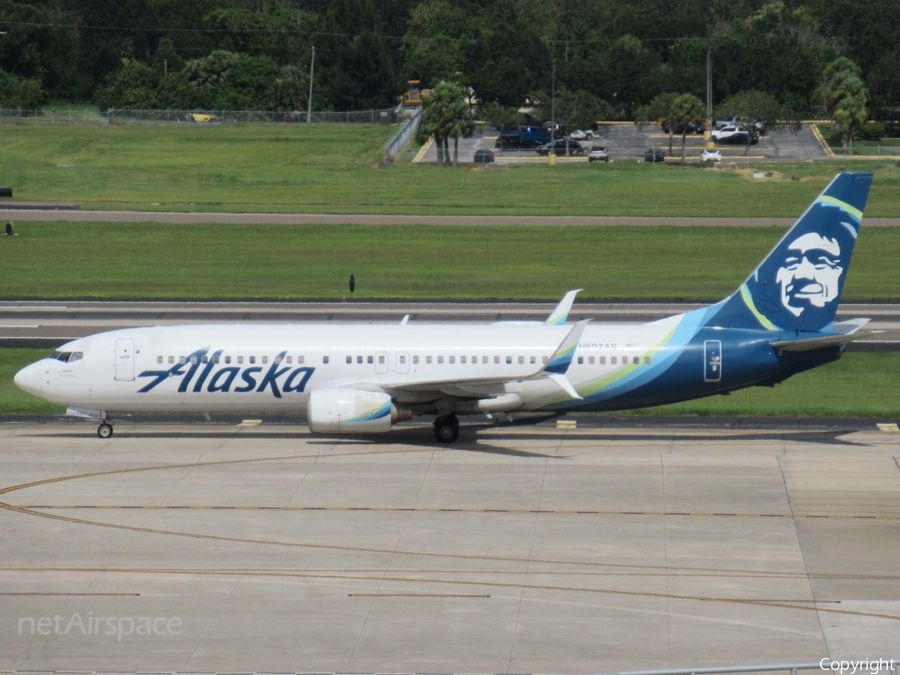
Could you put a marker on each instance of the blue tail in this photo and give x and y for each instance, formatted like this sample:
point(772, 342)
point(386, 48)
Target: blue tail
point(798, 286)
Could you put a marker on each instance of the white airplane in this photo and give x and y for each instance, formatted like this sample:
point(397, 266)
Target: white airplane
point(365, 378)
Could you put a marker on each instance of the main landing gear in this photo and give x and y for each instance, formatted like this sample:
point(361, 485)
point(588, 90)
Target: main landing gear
point(446, 428)
point(105, 430)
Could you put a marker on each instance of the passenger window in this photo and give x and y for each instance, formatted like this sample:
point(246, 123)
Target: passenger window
point(416, 358)
point(370, 359)
point(462, 359)
point(509, 359)
point(381, 359)
point(252, 359)
point(484, 359)
point(349, 359)
point(602, 360)
point(403, 358)
point(276, 360)
point(300, 360)
point(591, 360)
point(452, 359)
point(521, 360)
point(612, 360)
point(324, 359)
point(265, 359)
point(636, 360)
point(580, 360)
point(205, 359)
point(533, 359)
point(544, 359)
point(228, 359)
point(171, 359)
point(182, 360)
point(428, 359)
point(289, 359)
point(646, 360)
point(496, 359)
point(240, 359)
point(193, 360)
point(440, 359)
point(159, 359)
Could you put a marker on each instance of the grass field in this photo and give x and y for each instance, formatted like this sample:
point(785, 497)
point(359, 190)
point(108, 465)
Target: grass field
point(152, 260)
point(335, 169)
point(867, 384)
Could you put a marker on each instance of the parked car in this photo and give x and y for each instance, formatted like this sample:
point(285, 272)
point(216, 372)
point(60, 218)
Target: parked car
point(598, 154)
point(733, 135)
point(711, 156)
point(535, 133)
point(692, 128)
point(515, 141)
point(655, 155)
point(559, 148)
point(579, 135)
point(483, 156)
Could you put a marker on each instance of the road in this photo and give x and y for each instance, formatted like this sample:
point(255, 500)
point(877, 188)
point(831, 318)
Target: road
point(31, 323)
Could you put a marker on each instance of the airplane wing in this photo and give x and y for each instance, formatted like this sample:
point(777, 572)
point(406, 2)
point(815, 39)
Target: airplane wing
point(421, 390)
point(841, 333)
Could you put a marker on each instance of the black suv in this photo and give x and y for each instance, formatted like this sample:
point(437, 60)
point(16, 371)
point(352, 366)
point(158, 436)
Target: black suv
point(559, 148)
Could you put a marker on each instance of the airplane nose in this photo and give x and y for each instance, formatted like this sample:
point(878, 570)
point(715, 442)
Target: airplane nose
point(29, 379)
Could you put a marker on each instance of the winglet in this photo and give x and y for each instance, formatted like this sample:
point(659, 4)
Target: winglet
point(562, 357)
point(559, 315)
point(405, 320)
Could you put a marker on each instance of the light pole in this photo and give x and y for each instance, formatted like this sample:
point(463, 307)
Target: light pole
point(312, 64)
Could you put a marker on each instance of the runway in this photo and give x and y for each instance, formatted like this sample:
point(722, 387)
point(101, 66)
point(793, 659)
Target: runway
point(521, 549)
point(70, 213)
point(47, 324)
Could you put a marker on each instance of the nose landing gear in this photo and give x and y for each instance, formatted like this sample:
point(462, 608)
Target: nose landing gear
point(446, 428)
point(105, 430)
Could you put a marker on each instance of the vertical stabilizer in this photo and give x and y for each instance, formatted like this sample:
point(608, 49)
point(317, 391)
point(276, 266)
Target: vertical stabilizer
point(798, 286)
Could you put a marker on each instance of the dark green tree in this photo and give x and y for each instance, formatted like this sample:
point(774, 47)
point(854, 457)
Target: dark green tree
point(844, 96)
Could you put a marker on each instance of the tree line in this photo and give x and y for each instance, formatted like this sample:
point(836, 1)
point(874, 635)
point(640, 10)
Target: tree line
point(621, 54)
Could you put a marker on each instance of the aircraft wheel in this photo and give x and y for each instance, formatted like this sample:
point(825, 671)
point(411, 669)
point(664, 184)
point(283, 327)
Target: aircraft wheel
point(105, 430)
point(446, 428)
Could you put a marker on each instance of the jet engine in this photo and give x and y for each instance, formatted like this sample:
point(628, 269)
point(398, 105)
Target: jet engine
point(348, 411)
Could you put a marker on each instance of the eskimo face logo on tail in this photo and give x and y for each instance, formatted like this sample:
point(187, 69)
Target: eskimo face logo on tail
point(811, 274)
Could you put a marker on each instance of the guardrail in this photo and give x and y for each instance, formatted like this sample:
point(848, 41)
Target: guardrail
point(401, 138)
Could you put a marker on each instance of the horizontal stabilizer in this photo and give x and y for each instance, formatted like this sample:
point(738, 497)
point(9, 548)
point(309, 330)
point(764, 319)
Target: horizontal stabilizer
point(843, 332)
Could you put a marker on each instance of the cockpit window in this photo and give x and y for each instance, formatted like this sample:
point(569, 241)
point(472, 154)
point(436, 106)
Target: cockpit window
point(67, 357)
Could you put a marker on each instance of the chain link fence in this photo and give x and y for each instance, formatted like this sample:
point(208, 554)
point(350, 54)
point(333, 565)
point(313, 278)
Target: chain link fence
point(113, 117)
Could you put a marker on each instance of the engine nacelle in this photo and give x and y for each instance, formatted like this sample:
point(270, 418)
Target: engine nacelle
point(349, 411)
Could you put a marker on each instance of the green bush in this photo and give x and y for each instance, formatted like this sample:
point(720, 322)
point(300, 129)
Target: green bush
point(873, 131)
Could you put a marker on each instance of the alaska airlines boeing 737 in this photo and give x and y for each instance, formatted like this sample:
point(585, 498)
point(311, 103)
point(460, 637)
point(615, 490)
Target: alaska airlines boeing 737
point(365, 378)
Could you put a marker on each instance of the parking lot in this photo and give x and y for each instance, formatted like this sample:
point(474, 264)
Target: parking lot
point(627, 141)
